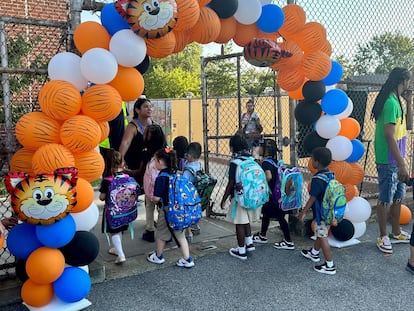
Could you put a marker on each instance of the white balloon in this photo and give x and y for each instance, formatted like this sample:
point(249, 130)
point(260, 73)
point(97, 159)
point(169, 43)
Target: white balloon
point(328, 126)
point(330, 87)
point(358, 210)
point(340, 146)
point(86, 219)
point(128, 48)
point(84, 268)
point(66, 66)
point(360, 228)
point(248, 11)
point(347, 112)
point(98, 66)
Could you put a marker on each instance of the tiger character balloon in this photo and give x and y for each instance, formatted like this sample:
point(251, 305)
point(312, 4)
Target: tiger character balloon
point(152, 19)
point(263, 52)
point(42, 199)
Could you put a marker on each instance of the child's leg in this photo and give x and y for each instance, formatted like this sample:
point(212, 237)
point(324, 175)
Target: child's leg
point(326, 249)
point(265, 225)
point(117, 242)
point(240, 234)
point(149, 214)
point(185, 249)
point(160, 246)
point(284, 226)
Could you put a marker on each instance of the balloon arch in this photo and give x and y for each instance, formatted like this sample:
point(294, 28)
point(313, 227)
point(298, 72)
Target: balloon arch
point(85, 92)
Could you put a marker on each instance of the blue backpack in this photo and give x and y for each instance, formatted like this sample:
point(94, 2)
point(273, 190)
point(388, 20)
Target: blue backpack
point(121, 206)
point(334, 199)
point(184, 205)
point(251, 189)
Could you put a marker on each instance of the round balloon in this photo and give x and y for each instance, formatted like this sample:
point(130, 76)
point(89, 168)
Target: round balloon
point(66, 66)
point(90, 165)
point(21, 161)
point(294, 20)
point(340, 146)
point(248, 11)
point(360, 228)
point(344, 231)
point(82, 250)
point(92, 67)
point(80, 133)
point(45, 265)
point(22, 240)
point(357, 173)
point(327, 126)
point(87, 219)
point(358, 150)
point(129, 83)
point(348, 110)
point(350, 128)
point(312, 141)
point(89, 35)
point(334, 75)
point(207, 28)
point(58, 234)
point(313, 90)
point(187, 14)
point(37, 295)
point(271, 18)
point(316, 65)
point(112, 20)
point(290, 79)
point(84, 195)
point(334, 102)
point(50, 157)
point(307, 112)
point(128, 48)
point(64, 286)
point(224, 9)
point(144, 65)
point(161, 47)
point(101, 102)
point(405, 215)
point(358, 210)
point(311, 37)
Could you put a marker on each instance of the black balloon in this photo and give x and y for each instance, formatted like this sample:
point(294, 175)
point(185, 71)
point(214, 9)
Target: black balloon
point(21, 269)
point(312, 141)
point(145, 64)
point(224, 8)
point(344, 231)
point(82, 250)
point(313, 90)
point(307, 112)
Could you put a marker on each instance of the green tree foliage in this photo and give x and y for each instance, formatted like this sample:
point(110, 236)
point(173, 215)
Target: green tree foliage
point(384, 52)
point(347, 66)
point(221, 78)
point(255, 81)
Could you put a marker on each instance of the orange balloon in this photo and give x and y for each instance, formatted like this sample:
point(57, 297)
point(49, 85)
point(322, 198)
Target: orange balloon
point(80, 133)
point(203, 2)
point(60, 100)
point(207, 28)
point(84, 195)
point(50, 157)
point(90, 35)
point(295, 19)
point(228, 28)
point(349, 128)
point(405, 215)
point(182, 38)
point(245, 33)
point(2, 240)
point(37, 295)
point(297, 94)
point(311, 37)
point(290, 79)
point(316, 65)
point(104, 126)
point(342, 171)
point(129, 83)
point(351, 191)
point(35, 129)
point(90, 165)
point(21, 161)
point(45, 265)
point(326, 47)
point(101, 102)
point(161, 47)
point(357, 174)
point(294, 60)
point(187, 15)
point(272, 36)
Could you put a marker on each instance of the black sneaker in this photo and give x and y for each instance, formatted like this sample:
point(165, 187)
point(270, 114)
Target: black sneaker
point(148, 236)
point(250, 247)
point(284, 245)
point(308, 254)
point(235, 253)
point(258, 238)
point(325, 269)
point(409, 268)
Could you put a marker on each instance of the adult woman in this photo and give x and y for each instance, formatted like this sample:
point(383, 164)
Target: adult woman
point(132, 142)
point(251, 128)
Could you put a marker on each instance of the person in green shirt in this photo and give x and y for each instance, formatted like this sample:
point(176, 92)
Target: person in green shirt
point(390, 147)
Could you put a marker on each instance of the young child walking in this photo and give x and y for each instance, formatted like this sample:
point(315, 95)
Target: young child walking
point(113, 168)
point(271, 209)
point(242, 217)
point(321, 158)
point(166, 162)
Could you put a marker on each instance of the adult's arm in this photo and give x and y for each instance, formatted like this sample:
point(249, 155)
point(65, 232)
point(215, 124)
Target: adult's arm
point(129, 134)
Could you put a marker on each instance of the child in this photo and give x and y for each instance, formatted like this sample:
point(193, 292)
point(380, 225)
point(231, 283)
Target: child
point(242, 217)
point(166, 161)
point(321, 158)
point(271, 209)
point(192, 166)
point(114, 167)
point(154, 140)
point(180, 145)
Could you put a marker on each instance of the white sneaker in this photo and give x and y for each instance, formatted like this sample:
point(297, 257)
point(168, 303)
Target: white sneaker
point(235, 253)
point(189, 263)
point(384, 245)
point(152, 257)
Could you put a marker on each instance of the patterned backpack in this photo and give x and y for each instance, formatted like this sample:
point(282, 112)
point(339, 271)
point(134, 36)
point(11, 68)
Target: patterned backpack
point(121, 206)
point(334, 199)
point(204, 185)
point(184, 205)
point(291, 187)
point(251, 189)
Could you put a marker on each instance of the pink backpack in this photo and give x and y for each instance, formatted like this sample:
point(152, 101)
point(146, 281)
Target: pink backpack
point(150, 175)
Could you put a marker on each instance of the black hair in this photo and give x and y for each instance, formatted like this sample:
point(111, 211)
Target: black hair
point(395, 78)
point(180, 145)
point(270, 148)
point(154, 138)
point(113, 161)
point(194, 150)
point(238, 143)
point(170, 158)
point(138, 104)
point(323, 155)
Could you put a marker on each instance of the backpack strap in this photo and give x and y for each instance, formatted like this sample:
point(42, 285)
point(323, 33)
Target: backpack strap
point(325, 177)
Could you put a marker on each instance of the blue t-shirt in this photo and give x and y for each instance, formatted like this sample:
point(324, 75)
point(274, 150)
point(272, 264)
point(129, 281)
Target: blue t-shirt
point(317, 189)
point(195, 166)
point(161, 186)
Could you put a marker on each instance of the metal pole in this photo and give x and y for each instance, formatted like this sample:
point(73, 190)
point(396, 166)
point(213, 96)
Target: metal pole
point(204, 105)
point(75, 20)
point(189, 97)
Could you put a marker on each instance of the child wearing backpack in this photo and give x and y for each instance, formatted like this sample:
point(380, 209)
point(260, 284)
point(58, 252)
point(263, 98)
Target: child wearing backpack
point(243, 215)
point(271, 209)
point(113, 172)
point(321, 158)
point(166, 163)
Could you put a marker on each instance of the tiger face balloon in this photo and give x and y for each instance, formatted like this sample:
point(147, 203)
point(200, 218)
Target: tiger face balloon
point(42, 199)
point(263, 52)
point(152, 19)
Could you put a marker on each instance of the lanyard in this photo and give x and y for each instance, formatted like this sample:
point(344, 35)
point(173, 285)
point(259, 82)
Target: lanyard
point(141, 126)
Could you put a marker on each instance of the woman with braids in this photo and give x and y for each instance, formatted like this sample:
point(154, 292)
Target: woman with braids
point(390, 146)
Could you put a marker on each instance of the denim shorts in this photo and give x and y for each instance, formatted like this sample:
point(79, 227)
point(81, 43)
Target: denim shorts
point(390, 188)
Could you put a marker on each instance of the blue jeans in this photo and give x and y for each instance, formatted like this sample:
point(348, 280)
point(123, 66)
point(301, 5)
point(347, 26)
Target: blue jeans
point(390, 188)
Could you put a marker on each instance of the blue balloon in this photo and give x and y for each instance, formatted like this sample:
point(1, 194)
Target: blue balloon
point(358, 150)
point(334, 102)
point(22, 240)
point(58, 234)
point(111, 20)
point(73, 285)
point(334, 75)
point(271, 19)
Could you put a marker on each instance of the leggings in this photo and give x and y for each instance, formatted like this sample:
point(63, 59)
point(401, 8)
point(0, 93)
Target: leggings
point(280, 217)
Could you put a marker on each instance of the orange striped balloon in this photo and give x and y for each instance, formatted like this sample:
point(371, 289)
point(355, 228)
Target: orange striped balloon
point(316, 65)
point(161, 47)
point(312, 37)
point(104, 126)
point(101, 102)
point(21, 161)
point(50, 157)
point(90, 165)
point(182, 38)
point(292, 61)
point(228, 27)
point(207, 28)
point(188, 13)
point(295, 19)
point(290, 79)
point(80, 133)
point(245, 33)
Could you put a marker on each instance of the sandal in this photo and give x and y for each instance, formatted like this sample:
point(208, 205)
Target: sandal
point(119, 260)
point(113, 251)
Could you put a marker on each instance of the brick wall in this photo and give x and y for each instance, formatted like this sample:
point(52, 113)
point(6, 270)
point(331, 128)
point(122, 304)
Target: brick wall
point(54, 10)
